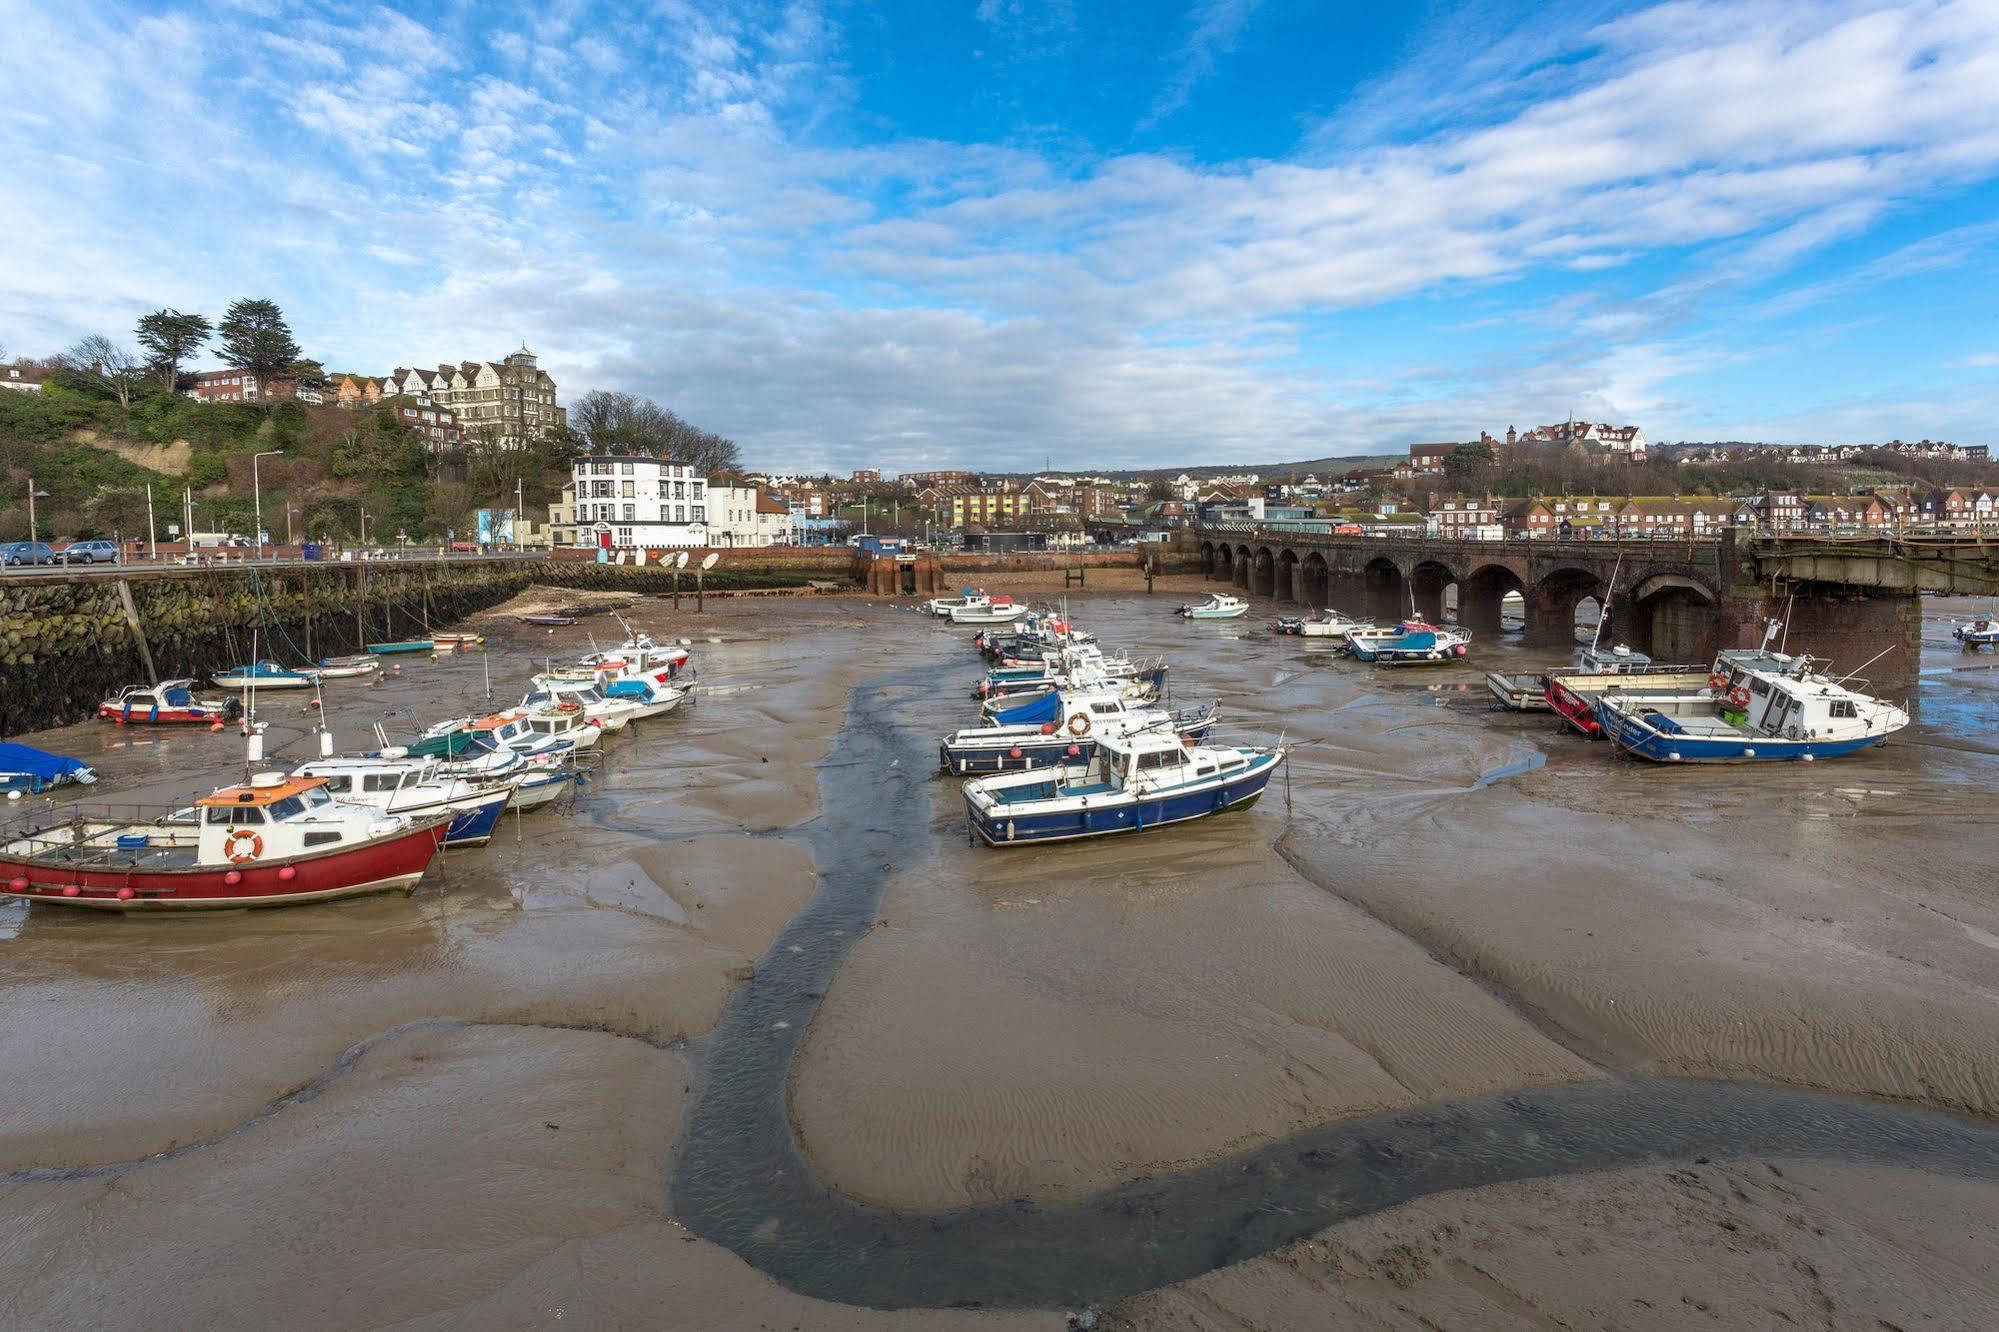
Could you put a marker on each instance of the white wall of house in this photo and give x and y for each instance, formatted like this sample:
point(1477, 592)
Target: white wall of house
point(629, 503)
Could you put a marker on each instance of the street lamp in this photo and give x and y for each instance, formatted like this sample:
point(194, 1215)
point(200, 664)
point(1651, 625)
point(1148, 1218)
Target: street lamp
point(365, 516)
point(257, 492)
point(33, 495)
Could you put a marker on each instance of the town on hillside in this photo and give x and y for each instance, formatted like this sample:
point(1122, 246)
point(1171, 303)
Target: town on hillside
point(144, 450)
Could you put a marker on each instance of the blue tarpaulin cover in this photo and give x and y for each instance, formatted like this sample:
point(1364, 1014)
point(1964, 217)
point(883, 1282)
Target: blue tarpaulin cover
point(628, 689)
point(38, 764)
point(1046, 708)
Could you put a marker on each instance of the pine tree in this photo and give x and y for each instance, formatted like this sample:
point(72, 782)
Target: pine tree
point(169, 337)
point(255, 338)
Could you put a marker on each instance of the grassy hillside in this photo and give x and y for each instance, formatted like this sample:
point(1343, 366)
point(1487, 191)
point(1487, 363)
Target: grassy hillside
point(95, 457)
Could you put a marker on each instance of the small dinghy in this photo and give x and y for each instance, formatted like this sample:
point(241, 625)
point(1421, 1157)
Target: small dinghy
point(1133, 783)
point(406, 645)
point(264, 675)
point(344, 668)
point(1528, 692)
point(1979, 633)
point(170, 703)
point(456, 642)
point(550, 621)
point(31, 771)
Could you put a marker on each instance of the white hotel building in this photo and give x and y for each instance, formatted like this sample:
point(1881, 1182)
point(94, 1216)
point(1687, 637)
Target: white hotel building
point(627, 502)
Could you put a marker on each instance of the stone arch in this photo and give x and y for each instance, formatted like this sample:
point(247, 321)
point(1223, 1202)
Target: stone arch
point(1315, 581)
point(1242, 563)
point(1552, 602)
point(1428, 582)
point(1672, 617)
point(1208, 558)
point(1263, 573)
point(1287, 575)
point(1482, 597)
point(1225, 563)
point(1383, 588)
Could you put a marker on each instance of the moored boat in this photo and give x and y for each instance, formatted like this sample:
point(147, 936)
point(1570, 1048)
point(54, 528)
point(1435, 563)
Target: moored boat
point(1133, 783)
point(967, 599)
point(1978, 633)
point(456, 642)
point(999, 610)
point(263, 675)
point(1218, 606)
point(1415, 643)
point(404, 645)
point(275, 841)
point(1329, 624)
point(401, 783)
point(31, 771)
point(169, 703)
point(1061, 728)
point(548, 621)
point(346, 668)
point(1528, 692)
point(1751, 714)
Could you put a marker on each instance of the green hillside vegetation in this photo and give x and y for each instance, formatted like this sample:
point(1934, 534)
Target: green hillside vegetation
point(77, 442)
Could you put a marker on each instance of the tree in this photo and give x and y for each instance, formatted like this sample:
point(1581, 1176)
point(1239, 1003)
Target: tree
point(628, 423)
point(1468, 460)
point(255, 338)
point(306, 371)
point(1159, 488)
point(105, 364)
point(169, 337)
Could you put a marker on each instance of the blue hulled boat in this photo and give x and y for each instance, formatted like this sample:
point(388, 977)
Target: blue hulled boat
point(1784, 711)
point(1061, 727)
point(1414, 643)
point(1132, 783)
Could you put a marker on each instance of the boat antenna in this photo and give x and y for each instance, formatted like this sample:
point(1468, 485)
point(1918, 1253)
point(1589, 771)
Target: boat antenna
point(1785, 642)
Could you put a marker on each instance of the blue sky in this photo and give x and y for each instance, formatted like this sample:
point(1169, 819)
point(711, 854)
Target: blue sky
point(992, 232)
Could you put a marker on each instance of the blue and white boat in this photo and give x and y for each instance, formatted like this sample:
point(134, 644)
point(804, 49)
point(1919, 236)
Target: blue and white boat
point(401, 783)
point(968, 598)
point(652, 697)
point(1773, 708)
point(264, 675)
point(30, 771)
point(1061, 728)
point(1133, 783)
point(1979, 633)
point(1414, 643)
point(1218, 606)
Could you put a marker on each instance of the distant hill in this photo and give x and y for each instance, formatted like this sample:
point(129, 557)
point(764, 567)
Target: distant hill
point(1335, 465)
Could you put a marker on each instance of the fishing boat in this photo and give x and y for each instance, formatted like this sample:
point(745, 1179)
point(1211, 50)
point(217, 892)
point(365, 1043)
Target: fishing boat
point(1416, 643)
point(274, 841)
point(1218, 606)
point(551, 621)
point(1528, 692)
point(1573, 694)
point(1133, 783)
point(1061, 727)
point(1978, 633)
point(404, 645)
point(344, 668)
point(264, 675)
point(169, 703)
point(401, 783)
point(30, 771)
point(1787, 712)
point(652, 697)
point(612, 714)
point(1331, 624)
point(967, 599)
point(999, 610)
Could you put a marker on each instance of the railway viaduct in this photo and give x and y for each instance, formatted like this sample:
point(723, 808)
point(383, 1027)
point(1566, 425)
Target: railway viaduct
point(1849, 599)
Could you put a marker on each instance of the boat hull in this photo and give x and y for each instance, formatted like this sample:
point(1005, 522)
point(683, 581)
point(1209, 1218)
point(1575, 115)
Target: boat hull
point(1519, 693)
point(1577, 707)
point(1036, 751)
point(999, 827)
point(415, 645)
point(262, 682)
point(388, 865)
point(160, 716)
point(474, 827)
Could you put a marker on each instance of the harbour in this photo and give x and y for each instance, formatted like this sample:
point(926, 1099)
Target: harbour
point(768, 897)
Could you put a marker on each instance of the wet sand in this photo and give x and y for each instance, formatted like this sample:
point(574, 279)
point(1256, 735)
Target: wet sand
point(1453, 902)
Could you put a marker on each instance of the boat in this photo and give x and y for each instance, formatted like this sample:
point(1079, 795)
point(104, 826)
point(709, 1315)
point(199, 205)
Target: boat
point(540, 786)
point(1331, 624)
point(1978, 633)
point(342, 668)
point(1061, 728)
point(264, 675)
point(405, 645)
point(1000, 610)
point(1529, 692)
point(612, 714)
point(30, 771)
point(169, 703)
point(1573, 694)
point(401, 783)
point(456, 642)
point(1415, 643)
point(1218, 606)
point(550, 621)
point(967, 599)
point(653, 698)
point(1133, 783)
point(1784, 712)
point(274, 841)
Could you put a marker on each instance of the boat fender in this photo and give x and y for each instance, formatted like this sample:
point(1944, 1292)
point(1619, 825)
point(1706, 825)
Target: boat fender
point(1048, 728)
point(126, 894)
point(287, 873)
point(1075, 751)
point(233, 877)
point(1079, 724)
point(1014, 752)
point(17, 884)
point(242, 845)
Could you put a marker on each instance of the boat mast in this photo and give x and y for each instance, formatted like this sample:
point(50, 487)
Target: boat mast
point(1603, 607)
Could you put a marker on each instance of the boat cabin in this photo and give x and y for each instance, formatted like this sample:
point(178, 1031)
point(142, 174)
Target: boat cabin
point(275, 817)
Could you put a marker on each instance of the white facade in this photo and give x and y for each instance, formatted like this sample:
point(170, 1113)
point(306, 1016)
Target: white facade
point(636, 503)
point(745, 516)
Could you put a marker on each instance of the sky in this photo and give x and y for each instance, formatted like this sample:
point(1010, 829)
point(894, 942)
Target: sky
point(1015, 233)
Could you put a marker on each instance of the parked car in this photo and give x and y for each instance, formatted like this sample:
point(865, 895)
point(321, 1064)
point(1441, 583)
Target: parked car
point(89, 552)
point(26, 552)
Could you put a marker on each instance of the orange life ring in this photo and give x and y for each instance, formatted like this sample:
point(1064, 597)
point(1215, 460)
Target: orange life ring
point(1717, 682)
point(229, 845)
point(1079, 724)
point(1739, 696)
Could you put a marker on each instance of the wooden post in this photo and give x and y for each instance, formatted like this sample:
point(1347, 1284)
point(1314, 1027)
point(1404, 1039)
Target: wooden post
point(1148, 573)
point(700, 590)
point(676, 589)
point(138, 631)
point(360, 608)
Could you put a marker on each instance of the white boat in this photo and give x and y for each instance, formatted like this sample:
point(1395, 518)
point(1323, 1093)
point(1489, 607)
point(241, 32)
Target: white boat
point(1414, 643)
point(263, 675)
point(1783, 711)
point(344, 668)
point(1061, 727)
point(651, 697)
point(1219, 606)
point(1330, 624)
point(999, 610)
point(395, 781)
point(1978, 633)
point(611, 714)
point(967, 599)
point(1133, 783)
point(1528, 692)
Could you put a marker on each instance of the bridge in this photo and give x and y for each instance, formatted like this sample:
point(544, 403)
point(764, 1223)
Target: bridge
point(1847, 598)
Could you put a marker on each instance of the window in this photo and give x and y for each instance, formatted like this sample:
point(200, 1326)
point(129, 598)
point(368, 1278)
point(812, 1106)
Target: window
point(631, 512)
point(286, 808)
point(697, 490)
point(680, 490)
point(1842, 707)
point(626, 468)
point(321, 838)
point(680, 513)
point(628, 491)
point(666, 513)
point(624, 536)
point(340, 783)
point(700, 514)
point(379, 781)
point(1161, 758)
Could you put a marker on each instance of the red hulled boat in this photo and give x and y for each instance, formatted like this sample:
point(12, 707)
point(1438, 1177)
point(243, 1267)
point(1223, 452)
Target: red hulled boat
point(276, 841)
point(169, 703)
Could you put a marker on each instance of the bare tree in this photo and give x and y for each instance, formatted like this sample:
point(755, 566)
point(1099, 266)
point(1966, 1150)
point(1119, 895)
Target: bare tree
point(106, 363)
point(628, 423)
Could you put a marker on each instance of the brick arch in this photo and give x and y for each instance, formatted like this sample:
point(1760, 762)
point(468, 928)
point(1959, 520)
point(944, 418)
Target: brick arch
point(1315, 580)
point(1223, 556)
point(1243, 559)
point(1482, 596)
point(1208, 558)
point(1552, 602)
point(1384, 588)
point(1287, 575)
point(1672, 617)
point(1263, 573)
point(1428, 581)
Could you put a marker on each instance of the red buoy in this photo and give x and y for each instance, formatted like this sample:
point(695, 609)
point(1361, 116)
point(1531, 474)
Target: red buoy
point(1048, 728)
point(287, 873)
point(72, 891)
point(17, 884)
point(1075, 751)
point(1015, 751)
point(126, 894)
point(233, 877)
